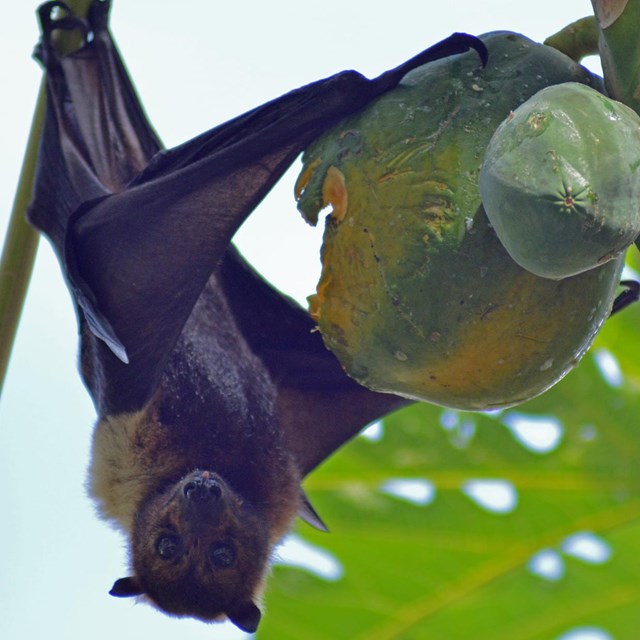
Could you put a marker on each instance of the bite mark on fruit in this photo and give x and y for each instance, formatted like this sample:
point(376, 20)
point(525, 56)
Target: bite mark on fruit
point(303, 179)
point(334, 193)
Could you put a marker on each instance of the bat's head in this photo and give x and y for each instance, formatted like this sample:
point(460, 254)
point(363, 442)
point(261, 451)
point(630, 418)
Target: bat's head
point(197, 551)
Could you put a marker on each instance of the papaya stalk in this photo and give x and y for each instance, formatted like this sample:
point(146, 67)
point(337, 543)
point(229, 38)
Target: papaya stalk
point(618, 23)
point(20, 246)
point(21, 240)
point(577, 40)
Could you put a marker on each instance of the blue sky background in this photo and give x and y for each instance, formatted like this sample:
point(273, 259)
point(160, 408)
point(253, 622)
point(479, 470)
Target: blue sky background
point(196, 63)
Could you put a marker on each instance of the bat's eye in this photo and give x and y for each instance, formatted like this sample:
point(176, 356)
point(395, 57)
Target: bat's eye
point(168, 546)
point(222, 555)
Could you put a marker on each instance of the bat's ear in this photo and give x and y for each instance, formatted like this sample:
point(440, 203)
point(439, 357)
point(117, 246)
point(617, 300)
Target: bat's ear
point(126, 588)
point(246, 616)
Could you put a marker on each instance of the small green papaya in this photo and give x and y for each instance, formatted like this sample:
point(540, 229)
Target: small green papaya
point(417, 295)
point(560, 180)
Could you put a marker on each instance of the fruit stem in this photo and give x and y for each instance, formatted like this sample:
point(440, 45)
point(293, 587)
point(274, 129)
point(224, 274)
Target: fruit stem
point(618, 23)
point(577, 40)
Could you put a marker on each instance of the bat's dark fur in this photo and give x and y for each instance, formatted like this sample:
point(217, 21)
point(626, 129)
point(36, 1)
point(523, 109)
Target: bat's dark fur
point(214, 396)
point(215, 405)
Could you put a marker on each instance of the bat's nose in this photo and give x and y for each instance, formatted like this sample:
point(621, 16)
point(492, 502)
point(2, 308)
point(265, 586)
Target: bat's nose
point(202, 489)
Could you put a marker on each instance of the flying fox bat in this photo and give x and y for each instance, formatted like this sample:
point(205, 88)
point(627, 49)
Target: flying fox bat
point(214, 395)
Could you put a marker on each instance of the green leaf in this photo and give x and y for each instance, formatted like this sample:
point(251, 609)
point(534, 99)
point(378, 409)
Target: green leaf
point(451, 569)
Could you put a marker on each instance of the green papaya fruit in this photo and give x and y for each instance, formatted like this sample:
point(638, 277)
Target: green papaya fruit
point(560, 180)
point(417, 296)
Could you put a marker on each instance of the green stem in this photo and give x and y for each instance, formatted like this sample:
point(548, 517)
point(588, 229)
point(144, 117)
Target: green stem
point(21, 241)
point(577, 40)
point(20, 245)
point(618, 26)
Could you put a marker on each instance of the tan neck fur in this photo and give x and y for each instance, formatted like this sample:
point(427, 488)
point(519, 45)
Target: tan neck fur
point(122, 472)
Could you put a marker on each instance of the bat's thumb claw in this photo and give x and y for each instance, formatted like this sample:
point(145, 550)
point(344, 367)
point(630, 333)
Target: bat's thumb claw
point(473, 42)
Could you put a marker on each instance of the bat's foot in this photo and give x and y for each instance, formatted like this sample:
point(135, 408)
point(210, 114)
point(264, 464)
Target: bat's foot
point(630, 295)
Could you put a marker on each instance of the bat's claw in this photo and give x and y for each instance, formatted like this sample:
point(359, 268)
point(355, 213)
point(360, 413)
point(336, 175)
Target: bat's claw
point(454, 44)
point(67, 21)
point(472, 42)
point(630, 295)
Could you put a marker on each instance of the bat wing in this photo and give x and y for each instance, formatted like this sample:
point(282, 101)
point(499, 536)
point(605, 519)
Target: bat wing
point(140, 234)
point(320, 407)
point(96, 137)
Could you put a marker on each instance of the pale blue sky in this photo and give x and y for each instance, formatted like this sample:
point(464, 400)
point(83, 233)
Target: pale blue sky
point(196, 63)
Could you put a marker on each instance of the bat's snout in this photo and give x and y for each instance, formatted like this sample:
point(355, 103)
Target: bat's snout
point(202, 488)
